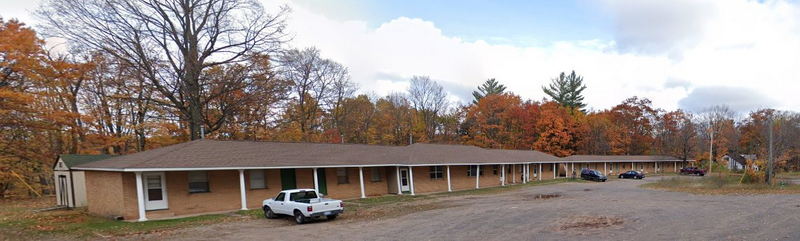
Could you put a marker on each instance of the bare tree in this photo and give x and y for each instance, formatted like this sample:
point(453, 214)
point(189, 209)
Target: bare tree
point(169, 42)
point(713, 118)
point(316, 83)
point(430, 100)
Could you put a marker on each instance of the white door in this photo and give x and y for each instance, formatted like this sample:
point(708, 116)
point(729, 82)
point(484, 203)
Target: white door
point(404, 180)
point(155, 191)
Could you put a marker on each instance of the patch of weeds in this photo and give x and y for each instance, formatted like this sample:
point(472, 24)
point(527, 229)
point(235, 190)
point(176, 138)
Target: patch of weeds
point(582, 223)
point(729, 184)
point(546, 196)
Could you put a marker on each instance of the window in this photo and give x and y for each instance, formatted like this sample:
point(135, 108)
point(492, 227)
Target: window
point(376, 174)
point(257, 180)
point(341, 175)
point(302, 196)
point(437, 172)
point(198, 182)
point(473, 170)
point(494, 170)
point(280, 197)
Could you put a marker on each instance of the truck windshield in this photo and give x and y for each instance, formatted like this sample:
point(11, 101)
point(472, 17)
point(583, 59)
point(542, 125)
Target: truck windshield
point(302, 196)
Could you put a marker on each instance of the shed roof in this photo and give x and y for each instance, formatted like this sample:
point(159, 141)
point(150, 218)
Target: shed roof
point(71, 160)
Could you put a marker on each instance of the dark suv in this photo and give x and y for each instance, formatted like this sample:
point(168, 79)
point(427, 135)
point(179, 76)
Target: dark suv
point(692, 171)
point(589, 174)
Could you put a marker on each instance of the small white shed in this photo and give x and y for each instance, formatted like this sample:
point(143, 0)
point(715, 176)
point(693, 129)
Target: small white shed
point(71, 184)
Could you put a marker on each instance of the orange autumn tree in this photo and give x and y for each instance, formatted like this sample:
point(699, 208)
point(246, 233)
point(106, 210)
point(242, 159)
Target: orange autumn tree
point(559, 133)
point(494, 122)
point(603, 135)
point(635, 118)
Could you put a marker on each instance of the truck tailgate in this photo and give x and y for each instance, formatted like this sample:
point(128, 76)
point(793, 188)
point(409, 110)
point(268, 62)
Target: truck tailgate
point(323, 205)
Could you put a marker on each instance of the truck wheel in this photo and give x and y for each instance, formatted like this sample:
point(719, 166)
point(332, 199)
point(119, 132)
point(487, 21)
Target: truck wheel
point(268, 213)
point(299, 218)
point(332, 217)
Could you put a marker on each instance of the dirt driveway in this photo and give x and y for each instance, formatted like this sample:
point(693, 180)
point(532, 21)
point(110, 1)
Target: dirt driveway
point(618, 210)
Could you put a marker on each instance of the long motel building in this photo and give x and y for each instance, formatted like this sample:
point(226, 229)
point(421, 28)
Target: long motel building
point(212, 176)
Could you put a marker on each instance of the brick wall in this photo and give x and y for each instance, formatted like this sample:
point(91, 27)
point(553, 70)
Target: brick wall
point(423, 183)
point(352, 189)
point(459, 178)
point(256, 196)
point(105, 195)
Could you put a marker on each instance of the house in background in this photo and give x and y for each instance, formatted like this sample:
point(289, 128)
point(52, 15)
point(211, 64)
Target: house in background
point(737, 162)
point(71, 184)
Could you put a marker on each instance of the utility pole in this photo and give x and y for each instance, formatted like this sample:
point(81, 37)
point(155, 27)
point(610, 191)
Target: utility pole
point(770, 161)
point(711, 149)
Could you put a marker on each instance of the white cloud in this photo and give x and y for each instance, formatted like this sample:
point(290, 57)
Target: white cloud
point(741, 100)
point(379, 58)
point(655, 26)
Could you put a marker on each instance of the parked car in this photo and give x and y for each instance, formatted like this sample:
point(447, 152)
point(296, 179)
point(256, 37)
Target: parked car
point(589, 174)
point(692, 171)
point(632, 174)
point(303, 205)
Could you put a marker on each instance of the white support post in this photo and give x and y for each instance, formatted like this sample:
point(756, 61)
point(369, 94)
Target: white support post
point(361, 181)
point(605, 168)
point(513, 174)
point(524, 173)
point(527, 173)
point(477, 176)
point(316, 180)
point(502, 175)
point(411, 180)
point(573, 170)
point(555, 170)
point(675, 169)
point(655, 167)
point(399, 185)
point(540, 172)
point(140, 197)
point(242, 189)
point(449, 186)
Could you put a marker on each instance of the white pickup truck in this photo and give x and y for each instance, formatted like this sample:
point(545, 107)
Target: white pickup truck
point(303, 204)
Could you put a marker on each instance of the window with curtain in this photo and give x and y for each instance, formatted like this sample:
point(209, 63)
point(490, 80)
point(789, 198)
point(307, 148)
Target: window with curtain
point(198, 182)
point(257, 179)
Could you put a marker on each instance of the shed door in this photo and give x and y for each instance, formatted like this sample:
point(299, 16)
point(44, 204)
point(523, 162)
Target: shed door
point(155, 188)
point(63, 190)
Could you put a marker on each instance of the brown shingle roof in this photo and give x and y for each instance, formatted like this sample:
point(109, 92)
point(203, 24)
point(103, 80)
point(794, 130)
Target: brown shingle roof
point(214, 154)
point(599, 158)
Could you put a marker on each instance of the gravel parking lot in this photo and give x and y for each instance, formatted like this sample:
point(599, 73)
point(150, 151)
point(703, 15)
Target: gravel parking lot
point(617, 209)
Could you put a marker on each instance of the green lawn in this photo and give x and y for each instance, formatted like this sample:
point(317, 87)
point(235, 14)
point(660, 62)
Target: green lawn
point(18, 219)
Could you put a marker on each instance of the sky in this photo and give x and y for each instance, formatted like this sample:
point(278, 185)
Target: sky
point(687, 54)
